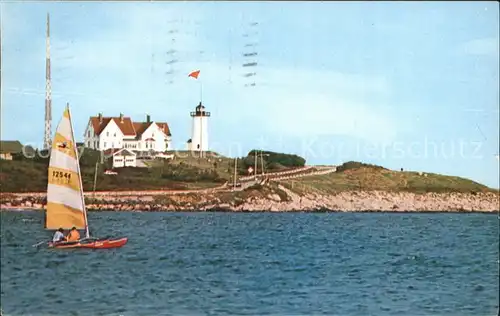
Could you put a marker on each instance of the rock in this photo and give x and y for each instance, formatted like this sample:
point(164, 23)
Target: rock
point(274, 197)
point(341, 201)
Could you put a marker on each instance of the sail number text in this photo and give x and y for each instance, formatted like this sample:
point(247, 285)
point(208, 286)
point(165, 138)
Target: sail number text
point(61, 176)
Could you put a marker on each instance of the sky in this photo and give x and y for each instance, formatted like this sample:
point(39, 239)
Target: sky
point(410, 85)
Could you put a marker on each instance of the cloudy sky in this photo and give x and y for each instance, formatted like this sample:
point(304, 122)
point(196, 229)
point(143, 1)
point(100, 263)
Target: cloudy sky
point(401, 84)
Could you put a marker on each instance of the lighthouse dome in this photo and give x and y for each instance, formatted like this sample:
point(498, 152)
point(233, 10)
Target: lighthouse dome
point(200, 107)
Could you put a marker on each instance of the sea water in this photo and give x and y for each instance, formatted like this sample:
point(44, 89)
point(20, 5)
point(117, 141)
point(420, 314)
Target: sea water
point(257, 264)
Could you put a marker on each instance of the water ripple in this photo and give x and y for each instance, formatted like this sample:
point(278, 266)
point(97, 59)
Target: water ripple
point(257, 264)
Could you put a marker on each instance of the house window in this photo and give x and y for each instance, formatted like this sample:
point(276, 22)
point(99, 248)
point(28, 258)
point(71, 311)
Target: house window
point(104, 144)
point(112, 145)
point(153, 135)
point(88, 134)
point(107, 133)
point(114, 134)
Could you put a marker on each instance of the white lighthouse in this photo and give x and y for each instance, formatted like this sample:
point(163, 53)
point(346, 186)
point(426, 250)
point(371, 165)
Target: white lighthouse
point(199, 136)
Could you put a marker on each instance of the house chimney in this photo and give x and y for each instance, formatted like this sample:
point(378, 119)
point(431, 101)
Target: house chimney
point(100, 117)
point(121, 117)
point(148, 118)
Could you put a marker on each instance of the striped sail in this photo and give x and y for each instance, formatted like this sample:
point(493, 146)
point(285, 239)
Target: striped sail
point(65, 203)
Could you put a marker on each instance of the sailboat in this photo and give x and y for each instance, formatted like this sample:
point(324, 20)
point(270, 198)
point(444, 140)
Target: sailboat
point(65, 199)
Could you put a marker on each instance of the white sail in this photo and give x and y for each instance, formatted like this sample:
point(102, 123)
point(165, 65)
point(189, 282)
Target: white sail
point(65, 201)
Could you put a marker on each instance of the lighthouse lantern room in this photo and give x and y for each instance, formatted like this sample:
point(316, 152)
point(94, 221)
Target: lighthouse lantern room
point(199, 136)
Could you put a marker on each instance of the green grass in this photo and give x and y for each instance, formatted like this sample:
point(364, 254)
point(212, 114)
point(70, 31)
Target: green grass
point(365, 177)
point(188, 171)
point(224, 166)
point(30, 175)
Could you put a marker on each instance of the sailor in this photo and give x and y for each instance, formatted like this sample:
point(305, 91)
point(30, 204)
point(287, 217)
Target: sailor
point(73, 235)
point(59, 235)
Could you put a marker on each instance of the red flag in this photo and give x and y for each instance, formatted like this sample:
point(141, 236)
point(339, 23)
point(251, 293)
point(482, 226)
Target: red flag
point(194, 74)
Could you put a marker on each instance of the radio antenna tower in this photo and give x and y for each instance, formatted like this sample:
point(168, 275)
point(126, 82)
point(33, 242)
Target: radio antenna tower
point(48, 93)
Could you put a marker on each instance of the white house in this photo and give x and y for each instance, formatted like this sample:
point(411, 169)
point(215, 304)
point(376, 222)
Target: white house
point(124, 158)
point(104, 133)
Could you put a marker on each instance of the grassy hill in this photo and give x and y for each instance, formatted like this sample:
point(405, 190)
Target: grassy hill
point(30, 175)
point(186, 171)
point(189, 171)
point(224, 166)
point(359, 176)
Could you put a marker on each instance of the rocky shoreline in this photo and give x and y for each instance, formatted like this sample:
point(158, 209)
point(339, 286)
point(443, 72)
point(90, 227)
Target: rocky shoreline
point(277, 199)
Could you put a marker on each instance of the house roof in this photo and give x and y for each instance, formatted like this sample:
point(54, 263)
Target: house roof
point(10, 146)
point(164, 127)
point(124, 152)
point(141, 127)
point(125, 125)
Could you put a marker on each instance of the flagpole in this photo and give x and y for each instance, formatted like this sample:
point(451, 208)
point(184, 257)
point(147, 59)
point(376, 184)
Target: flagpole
point(201, 121)
point(201, 92)
point(195, 75)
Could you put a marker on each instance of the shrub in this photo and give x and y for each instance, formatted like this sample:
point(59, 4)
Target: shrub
point(356, 165)
point(287, 160)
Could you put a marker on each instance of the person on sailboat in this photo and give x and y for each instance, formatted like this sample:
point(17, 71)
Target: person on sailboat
point(73, 235)
point(59, 236)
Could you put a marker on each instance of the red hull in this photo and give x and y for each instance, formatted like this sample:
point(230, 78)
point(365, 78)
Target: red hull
point(95, 244)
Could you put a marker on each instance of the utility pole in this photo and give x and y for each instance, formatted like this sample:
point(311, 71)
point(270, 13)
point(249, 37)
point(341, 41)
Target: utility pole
point(95, 175)
point(255, 169)
point(262, 163)
point(235, 167)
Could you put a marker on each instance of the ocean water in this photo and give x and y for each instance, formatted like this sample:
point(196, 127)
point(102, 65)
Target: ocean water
point(257, 264)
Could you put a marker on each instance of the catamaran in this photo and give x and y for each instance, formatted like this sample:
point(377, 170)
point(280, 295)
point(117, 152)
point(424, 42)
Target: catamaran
point(65, 198)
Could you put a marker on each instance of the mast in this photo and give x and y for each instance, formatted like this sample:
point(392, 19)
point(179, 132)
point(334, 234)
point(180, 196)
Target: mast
point(87, 235)
point(47, 139)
